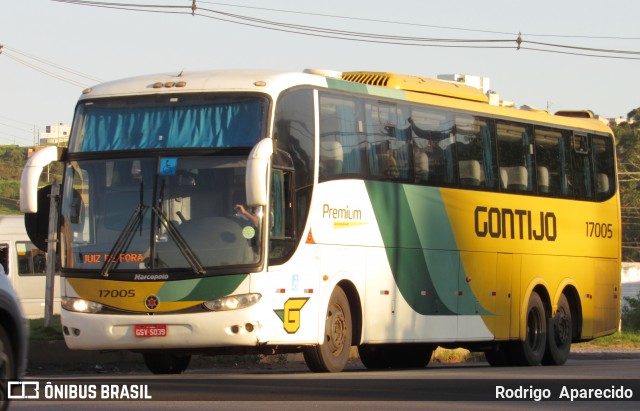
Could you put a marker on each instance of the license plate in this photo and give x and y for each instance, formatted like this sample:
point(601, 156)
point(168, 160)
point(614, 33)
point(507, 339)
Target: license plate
point(150, 330)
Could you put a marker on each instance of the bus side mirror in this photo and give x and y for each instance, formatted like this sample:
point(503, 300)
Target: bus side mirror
point(31, 176)
point(257, 172)
point(37, 224)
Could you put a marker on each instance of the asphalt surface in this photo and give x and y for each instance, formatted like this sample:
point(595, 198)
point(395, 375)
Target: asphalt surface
point(47, 356)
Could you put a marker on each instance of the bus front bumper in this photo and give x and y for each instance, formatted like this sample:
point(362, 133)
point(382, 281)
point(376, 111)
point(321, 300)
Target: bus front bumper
point(84, 331)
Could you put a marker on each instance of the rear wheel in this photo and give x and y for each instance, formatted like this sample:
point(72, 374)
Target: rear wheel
point(166, 363)
point(532, 349)
point(559, 335)
point(332, 355)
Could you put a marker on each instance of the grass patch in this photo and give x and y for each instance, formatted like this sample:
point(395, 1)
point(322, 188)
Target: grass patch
point(38, 332)
point(625, 339)
point(457, 355)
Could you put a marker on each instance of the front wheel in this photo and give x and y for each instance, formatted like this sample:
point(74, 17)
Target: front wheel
point(166, 363)
point(332, 355)
point(7, 367)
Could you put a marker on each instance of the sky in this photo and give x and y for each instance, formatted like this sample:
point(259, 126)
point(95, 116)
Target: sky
point(95, 44)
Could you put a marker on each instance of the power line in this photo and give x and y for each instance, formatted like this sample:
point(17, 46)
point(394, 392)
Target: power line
point(49, 63)
point(47, 72)
point(362, 36)
point(404, 23)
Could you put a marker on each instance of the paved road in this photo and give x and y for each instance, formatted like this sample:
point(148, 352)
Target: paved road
point(459, 386)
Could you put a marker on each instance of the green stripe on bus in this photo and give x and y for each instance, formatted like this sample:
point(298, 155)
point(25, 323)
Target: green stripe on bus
point(421, 249)
point(200, 289)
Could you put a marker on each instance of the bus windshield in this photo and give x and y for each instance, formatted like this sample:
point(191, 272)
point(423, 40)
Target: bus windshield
point(176, 121)
point(158, 213)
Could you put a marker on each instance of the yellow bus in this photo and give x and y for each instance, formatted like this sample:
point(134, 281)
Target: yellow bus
point(260, 212)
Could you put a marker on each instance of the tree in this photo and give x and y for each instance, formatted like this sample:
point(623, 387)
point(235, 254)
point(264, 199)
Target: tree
point(628, 149)
point(634, 115)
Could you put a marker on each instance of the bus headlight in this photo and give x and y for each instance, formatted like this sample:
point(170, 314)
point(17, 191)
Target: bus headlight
point(79, 305)
point(233, 302)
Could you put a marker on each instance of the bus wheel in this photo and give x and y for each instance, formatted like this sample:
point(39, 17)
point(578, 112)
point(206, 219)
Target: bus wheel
point(409, 355)
point(372, 356)
point(531, 350)
point(498, 356)
point(165, 363)
point(559, 333)
point(332, 355)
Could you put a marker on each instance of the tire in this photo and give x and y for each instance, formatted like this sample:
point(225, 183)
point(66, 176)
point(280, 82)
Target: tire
point(408, 356)
point(165, 363)
point(499, 355)
point(332, 355)
point(7, 368)
point(559, 335)
point(531, 351)
point(372, 356)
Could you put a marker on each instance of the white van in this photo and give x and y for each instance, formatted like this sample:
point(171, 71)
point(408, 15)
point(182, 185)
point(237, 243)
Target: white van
point(25, 265)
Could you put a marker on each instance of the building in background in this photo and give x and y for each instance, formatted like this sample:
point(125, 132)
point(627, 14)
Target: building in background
point(57, 134)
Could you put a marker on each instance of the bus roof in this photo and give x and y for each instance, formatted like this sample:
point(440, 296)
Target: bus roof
point(397, 86)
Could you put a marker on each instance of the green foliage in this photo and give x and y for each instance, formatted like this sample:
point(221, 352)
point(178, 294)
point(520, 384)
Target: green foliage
point(628, 150)
point(631, 313)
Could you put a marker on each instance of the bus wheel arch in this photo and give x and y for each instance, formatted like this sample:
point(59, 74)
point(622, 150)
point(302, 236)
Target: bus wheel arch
point(333, 353)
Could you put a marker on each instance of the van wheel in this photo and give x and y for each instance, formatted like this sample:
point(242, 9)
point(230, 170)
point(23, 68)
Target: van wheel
point(559, 335)
point(532, 349)
point(165, 363)
point(332, 355)
point(7, 368)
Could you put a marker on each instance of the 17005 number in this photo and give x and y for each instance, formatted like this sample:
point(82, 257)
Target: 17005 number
point(117, 293)
point(599, 230)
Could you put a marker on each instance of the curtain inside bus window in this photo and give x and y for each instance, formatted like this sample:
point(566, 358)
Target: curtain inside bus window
point(487, 155)
point(582, 173)
point(236, 124)
point(350, 138)
point(528, 161)
point(277, 204)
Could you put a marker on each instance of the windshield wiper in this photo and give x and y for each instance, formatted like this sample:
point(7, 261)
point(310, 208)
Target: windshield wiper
point(182, 244)
point(124, 239)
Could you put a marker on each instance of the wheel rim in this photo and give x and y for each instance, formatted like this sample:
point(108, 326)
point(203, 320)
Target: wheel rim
point(534, 330)
point(561, 328)
point(4, 364)
point(336, 329)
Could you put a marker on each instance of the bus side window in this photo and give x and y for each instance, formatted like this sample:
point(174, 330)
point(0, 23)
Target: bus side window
point(281, 229)
point(553, 163)
point(433, 151)
point(604, 170)
point(388, 136)
point(475, 150)
point(342, 150)
point(515, 153)
point(582, 182)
